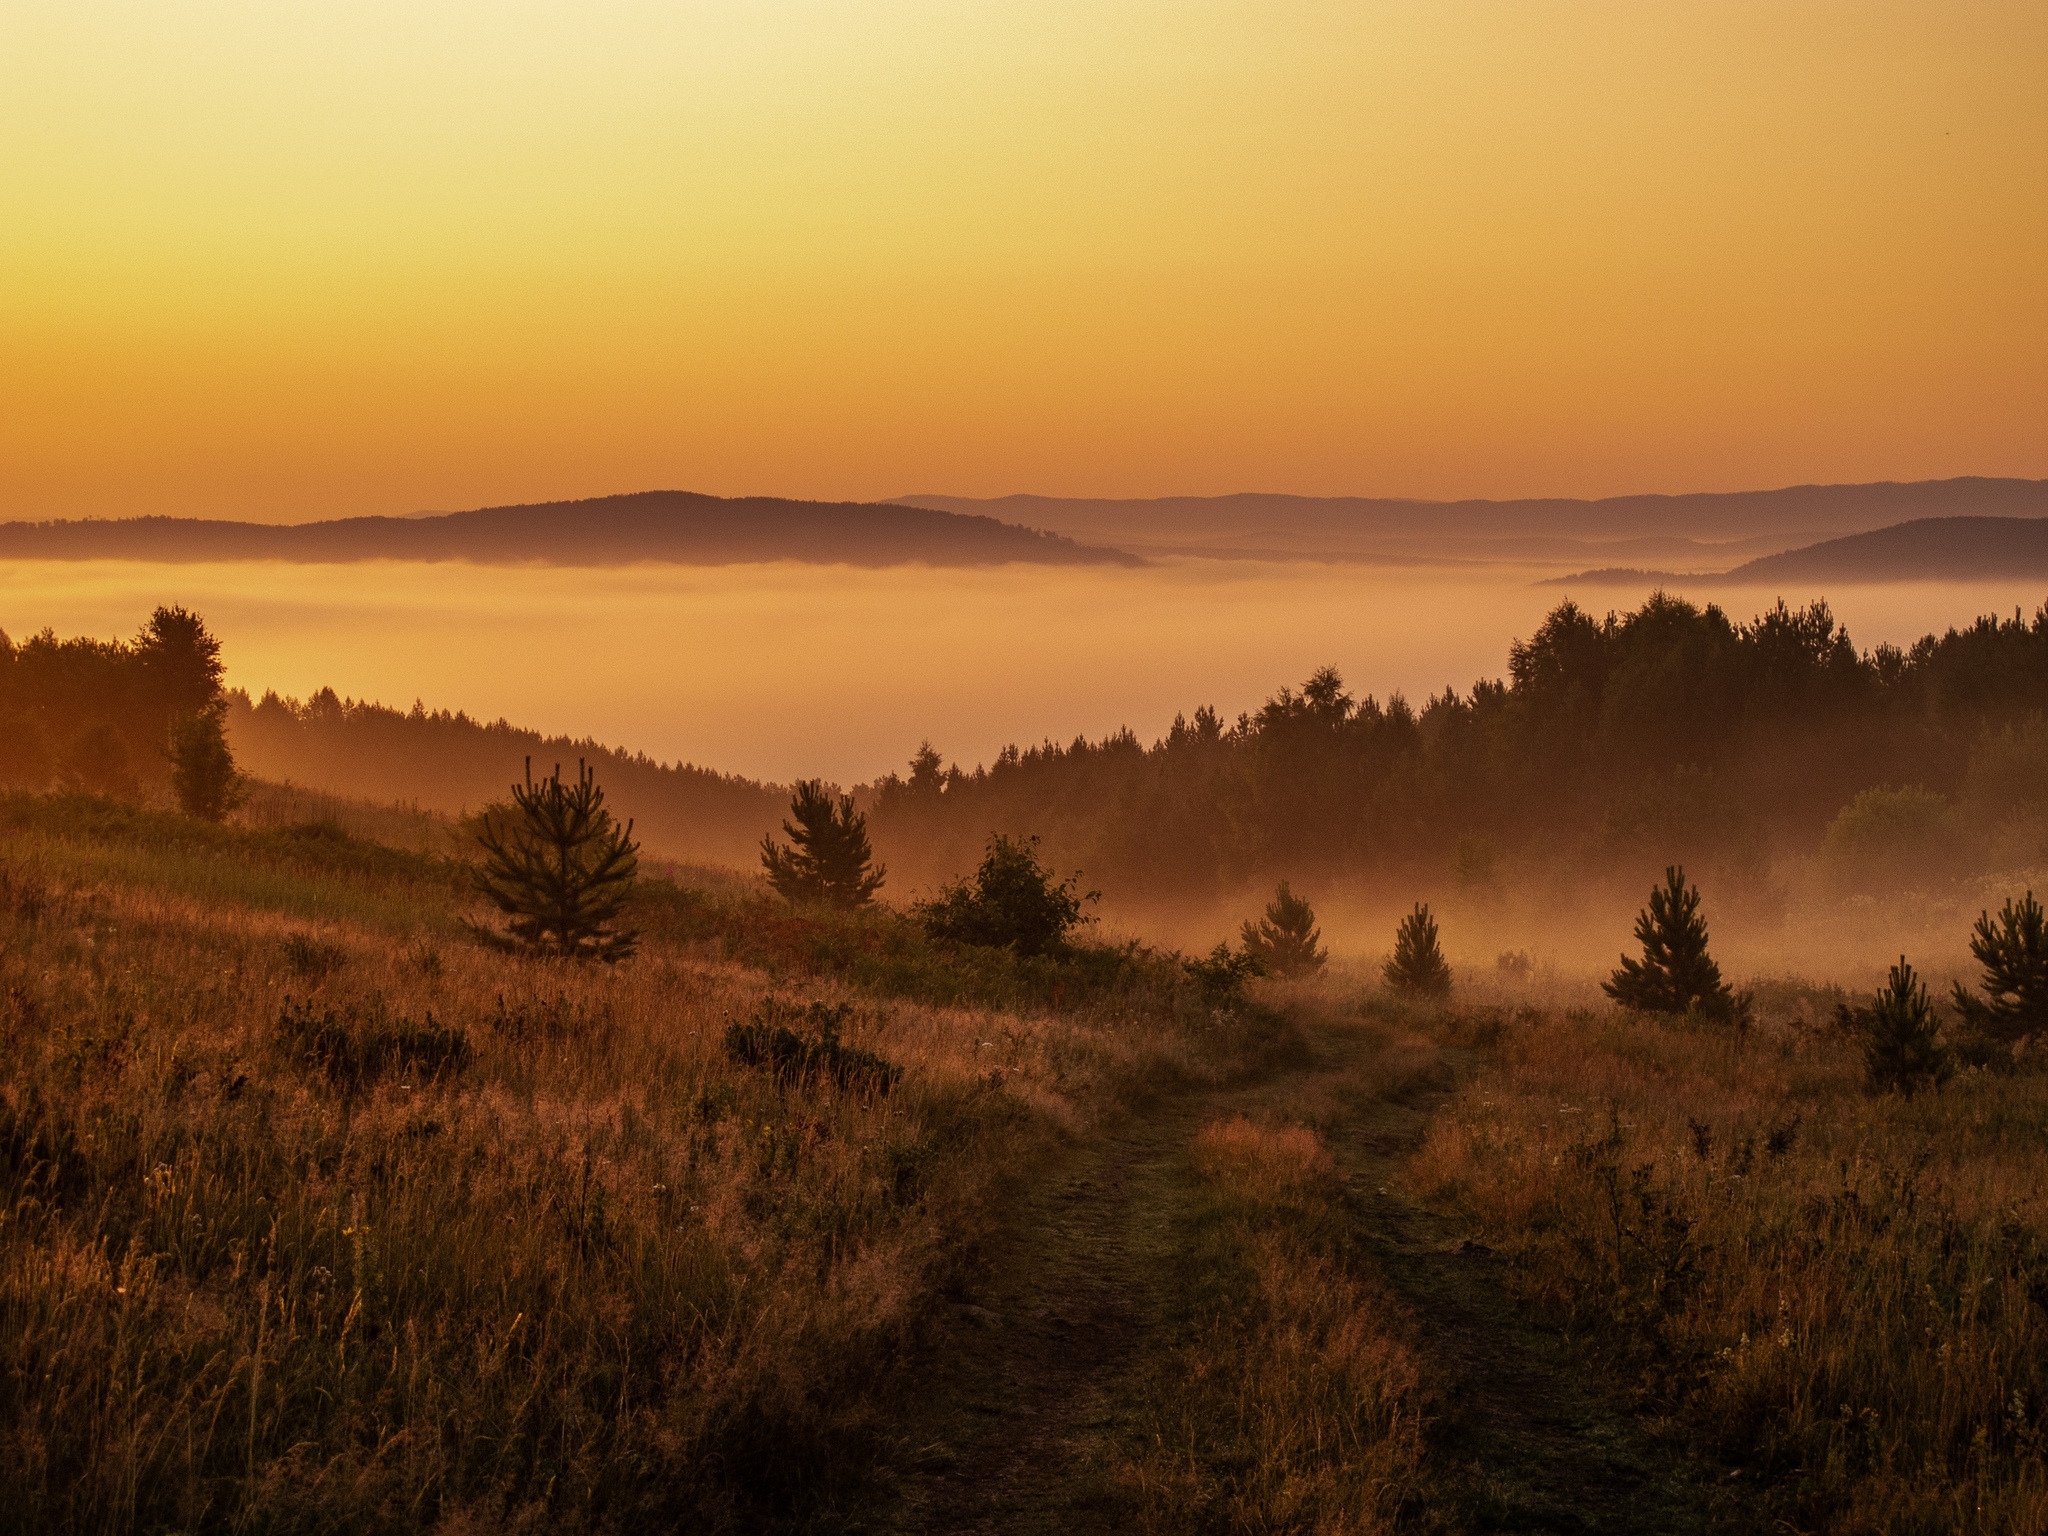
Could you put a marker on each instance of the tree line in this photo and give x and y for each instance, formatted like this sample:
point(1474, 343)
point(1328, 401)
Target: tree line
point(133, 719)
point(1671, 733)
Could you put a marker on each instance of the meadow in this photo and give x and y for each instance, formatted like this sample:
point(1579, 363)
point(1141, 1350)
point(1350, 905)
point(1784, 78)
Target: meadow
point(320, 1217)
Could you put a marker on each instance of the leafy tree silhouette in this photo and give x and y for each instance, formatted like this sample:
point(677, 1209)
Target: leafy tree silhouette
point(561, 869)
point(1676, 974)
point(827, 858)
point(2013, 950)
point(1284, 941)
point(203, 774)
point(1012, 901)
point(1418, 967)
point(1901, 1048)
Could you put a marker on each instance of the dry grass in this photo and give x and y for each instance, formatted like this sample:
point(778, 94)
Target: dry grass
point(1845, 1296)
point(1293, 1403)
point(314, 1218)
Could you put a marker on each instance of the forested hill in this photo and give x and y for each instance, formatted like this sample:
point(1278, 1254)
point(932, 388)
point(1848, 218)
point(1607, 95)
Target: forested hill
point(678, 527)
point(449, 762)
point(1670, 734)
point(1674, 733)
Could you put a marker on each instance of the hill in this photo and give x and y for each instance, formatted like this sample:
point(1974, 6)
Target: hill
point(1709, 530)
point(1925, 549)
point(678, 527)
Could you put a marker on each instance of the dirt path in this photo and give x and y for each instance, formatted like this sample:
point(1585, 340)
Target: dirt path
point(1037, 1371)
point(1074, 1301)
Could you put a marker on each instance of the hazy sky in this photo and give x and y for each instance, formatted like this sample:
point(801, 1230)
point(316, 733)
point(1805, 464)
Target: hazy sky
point(284, 260)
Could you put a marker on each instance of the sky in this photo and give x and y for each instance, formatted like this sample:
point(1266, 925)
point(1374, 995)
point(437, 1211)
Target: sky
point(281, 260)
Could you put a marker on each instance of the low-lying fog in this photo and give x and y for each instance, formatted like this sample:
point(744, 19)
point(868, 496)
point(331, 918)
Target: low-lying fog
point(781, 671)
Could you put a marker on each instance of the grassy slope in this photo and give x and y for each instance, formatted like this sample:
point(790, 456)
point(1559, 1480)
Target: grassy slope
point(448, 1240)
point(316, 1217)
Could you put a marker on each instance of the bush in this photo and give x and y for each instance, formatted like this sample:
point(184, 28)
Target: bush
point(2014, 953)
point(1902, 1050)
point(1418, 967)
point(1284, 941)
point(1012, 902)
point(352, 1050)
point(1221, 976)
point(827, 858)
point(818, 1055)
point(560, 867)
point(1676, 974)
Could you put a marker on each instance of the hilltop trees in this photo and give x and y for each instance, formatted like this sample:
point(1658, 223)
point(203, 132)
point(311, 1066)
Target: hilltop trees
point(1284, 942)
point(827, 858)
point(1675, 732)
point(2013, 949)
point(1675, 973)
point(560, 868)
point(142, 719)
point(1418, 967)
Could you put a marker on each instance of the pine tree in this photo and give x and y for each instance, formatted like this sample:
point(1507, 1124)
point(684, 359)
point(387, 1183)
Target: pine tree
point(1676, 974)
point(1901, 1048)
point(2014, 953)
point(1285, 940)
point(1418, 967)
point(203, 774)
point(560, 867)
point(827, 858)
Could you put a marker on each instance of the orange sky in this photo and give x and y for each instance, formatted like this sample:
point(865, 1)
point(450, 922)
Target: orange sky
point(285, 261)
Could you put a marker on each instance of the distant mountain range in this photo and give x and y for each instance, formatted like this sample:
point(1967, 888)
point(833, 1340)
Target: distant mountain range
point(677, 527)
point(1628, 537)
point(1925, 549)
point(1709, 531)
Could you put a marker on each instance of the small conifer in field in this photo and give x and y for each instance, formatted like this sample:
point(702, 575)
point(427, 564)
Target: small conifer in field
point(1284, 941)
point(1675, 974)
point(560, 867)
point(2013, 949)
point(827, 858)
point(1418, 967)
point(1902, 1049)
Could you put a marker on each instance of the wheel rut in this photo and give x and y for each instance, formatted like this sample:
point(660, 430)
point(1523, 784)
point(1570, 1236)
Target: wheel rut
point(1035, 1364)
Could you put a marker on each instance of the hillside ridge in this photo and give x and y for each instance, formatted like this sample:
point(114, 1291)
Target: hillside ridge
point(677, 527)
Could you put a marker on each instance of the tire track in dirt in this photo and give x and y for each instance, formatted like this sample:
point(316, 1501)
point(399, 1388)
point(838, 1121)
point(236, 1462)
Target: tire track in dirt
point(1033, 1369)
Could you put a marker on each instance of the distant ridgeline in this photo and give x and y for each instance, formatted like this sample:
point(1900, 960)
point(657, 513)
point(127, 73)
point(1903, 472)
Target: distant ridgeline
point(1925, 549)
point(1671, 733)
point(1705, 530)
point(452, 763)
point(678, 527)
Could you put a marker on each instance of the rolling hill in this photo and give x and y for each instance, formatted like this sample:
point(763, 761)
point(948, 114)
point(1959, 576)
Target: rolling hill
point(675, 527)
point(1710, 531)
point(1925, 549)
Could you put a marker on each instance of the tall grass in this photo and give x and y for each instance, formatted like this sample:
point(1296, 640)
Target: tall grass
point(1845, 1296)
point(313, 1217)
